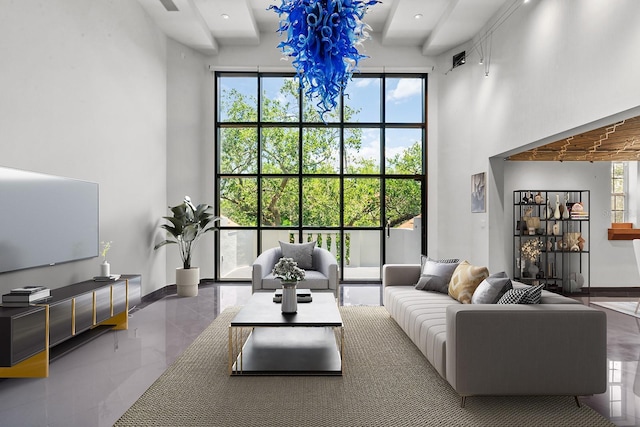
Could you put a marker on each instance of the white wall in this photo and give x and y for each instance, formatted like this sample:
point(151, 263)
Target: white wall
point(555, 66)
point(83, 89)
point(190, 146)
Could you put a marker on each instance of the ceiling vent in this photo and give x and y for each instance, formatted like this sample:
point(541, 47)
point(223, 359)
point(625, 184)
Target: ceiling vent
point(169, 5)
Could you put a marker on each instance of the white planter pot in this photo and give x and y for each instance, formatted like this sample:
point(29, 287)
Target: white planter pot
point(187, 281)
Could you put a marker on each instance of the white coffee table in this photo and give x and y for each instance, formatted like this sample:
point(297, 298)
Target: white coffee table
point(263, 341)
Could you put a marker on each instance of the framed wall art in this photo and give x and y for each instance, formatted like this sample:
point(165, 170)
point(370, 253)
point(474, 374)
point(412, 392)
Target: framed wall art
point(478, 193)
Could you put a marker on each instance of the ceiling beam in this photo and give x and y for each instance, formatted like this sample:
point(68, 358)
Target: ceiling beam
point(185, 25)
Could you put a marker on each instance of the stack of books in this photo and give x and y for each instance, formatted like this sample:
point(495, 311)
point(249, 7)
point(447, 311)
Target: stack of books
point(111, 277)
point(304, 295)
point(23, 297)
point(579, 215)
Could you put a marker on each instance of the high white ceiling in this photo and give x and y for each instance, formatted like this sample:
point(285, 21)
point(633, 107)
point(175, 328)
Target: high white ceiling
point(444, 23)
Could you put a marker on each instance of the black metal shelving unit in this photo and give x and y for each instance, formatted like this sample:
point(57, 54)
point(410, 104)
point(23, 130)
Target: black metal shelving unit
point(558, 222)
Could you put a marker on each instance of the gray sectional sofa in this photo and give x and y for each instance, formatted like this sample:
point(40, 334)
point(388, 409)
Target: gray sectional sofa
point(557, 347)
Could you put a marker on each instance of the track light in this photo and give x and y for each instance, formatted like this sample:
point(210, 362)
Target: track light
point(459, 59)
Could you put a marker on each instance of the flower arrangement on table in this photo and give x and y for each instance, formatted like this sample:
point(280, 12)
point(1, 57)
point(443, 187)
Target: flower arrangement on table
point(287, 270)
point(105, 248)
point(531, 249)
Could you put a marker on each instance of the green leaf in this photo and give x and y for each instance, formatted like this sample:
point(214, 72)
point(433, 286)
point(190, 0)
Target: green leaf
point(163, 243)
point(190, 232)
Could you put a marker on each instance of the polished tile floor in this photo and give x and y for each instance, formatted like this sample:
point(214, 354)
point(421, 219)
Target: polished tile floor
point(621, 402)
point(95, 384)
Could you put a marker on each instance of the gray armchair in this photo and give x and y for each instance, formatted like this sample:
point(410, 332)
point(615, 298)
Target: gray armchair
point(323, 276)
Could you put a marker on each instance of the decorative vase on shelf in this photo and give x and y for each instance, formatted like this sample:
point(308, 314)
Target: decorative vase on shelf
point(549, 209)
point(577, 207)
point(105, 269)
point(533, 269)
point(289, 298)
point(556, 213)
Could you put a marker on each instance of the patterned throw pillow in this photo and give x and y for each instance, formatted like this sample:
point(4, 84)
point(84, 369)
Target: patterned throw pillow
point(465, 280)
point(513, 296)
point(302, 253)
point(529, 295)
point(533, 295)
point(491, 289)
point(436, 275)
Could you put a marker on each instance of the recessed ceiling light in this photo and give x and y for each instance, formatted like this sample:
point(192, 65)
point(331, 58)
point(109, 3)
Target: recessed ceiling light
point(418, 16)
point(225, 16)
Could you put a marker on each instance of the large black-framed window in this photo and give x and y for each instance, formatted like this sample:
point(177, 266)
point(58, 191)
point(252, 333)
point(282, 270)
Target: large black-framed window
point(355, 183)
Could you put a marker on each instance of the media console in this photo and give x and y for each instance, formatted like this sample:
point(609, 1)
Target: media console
point(31, 337)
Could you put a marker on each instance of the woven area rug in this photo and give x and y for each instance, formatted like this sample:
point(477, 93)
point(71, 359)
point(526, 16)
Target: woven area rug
point(625, 307)
point(387, 382)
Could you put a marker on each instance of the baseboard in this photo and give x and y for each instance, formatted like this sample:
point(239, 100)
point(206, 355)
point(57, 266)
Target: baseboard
point(615, 292)
point(158, 294)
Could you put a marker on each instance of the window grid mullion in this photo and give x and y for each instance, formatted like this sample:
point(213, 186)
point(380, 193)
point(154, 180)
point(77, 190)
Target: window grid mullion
point(342, 176)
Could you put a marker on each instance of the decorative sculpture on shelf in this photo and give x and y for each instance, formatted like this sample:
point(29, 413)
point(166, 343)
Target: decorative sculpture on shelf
point(567, 206)
point(322, 36)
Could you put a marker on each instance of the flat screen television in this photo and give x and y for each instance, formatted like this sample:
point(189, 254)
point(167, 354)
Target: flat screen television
point(46, 220)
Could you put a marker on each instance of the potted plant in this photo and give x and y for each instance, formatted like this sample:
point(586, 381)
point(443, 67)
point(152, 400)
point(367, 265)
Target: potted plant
point(186, 226)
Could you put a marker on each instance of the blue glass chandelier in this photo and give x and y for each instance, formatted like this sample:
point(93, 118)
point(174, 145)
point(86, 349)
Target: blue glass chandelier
point(322, 36)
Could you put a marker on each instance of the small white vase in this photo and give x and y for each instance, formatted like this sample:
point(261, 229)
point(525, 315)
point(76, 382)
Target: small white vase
point(105, 269)
point(556, 213)
point(187, 280)
point(289, 298)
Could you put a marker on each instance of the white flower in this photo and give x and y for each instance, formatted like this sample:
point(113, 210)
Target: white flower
point(105, 248)
point(287, 269)
point(531, 249)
